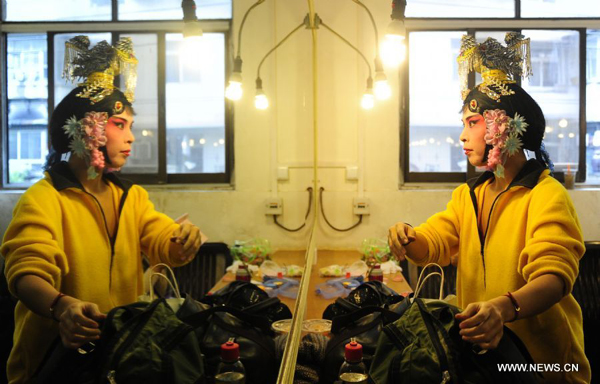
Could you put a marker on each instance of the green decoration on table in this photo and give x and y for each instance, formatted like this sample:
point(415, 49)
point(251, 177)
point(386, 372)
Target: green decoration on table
point(376, 251)
point(253, 251)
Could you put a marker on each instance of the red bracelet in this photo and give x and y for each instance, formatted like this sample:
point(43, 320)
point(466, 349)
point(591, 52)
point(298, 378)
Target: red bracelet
point(54, 303)
point(515, 305)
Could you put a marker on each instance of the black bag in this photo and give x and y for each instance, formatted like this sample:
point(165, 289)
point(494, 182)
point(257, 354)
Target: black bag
point(140, 342)
point(362, 315)
point(244, 312)
point(370, 293)
point(250, 299)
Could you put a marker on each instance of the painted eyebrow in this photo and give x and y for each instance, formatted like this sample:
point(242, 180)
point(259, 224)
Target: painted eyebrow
point(472, 117)
point(120, 119)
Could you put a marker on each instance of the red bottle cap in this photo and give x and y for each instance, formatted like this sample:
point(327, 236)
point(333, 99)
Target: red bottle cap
point(230, 351)
point(348, 275)
point(353, 352)
point(280, 275)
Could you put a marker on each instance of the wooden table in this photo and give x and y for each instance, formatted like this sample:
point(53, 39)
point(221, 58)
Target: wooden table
point(316, 303)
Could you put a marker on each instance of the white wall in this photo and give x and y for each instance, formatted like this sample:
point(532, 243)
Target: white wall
point(283, 136)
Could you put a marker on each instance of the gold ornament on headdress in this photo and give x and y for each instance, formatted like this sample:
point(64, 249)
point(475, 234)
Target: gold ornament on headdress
point(499, 65)
point(99, 66)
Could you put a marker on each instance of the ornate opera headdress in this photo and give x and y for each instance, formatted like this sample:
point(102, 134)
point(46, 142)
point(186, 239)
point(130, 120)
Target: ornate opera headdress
point(99, 65)
point(497, 64)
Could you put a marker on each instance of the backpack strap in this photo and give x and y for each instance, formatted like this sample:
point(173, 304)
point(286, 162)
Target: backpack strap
point(198, 319)
point(342, 321)
point(261, 305)
point(429, 321)
point(346, 305)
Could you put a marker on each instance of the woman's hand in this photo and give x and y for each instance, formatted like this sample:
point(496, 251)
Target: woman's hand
point(78, 322)
point(400, 235)
point(482, 323)
point(188, 235)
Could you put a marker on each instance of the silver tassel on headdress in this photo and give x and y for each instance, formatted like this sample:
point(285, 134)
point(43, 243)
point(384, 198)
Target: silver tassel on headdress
point(99, 66)
point(521, 48)
point(73, 50)
point(127, 66)
point(466, 62)
point(498, 65)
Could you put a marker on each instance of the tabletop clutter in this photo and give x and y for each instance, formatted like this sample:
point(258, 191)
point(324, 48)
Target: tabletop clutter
point(253, 263)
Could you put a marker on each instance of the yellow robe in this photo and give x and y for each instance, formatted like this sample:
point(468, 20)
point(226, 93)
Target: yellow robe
point(533, 230)
point(58, 233)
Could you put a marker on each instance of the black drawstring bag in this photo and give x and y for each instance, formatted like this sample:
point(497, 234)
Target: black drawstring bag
point(250, 299)
point(244, 312)
point(368, 294)
point(362, 315)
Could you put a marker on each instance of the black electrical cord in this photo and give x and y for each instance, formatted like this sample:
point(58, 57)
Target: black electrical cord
point(360, 217)
point(309, 189)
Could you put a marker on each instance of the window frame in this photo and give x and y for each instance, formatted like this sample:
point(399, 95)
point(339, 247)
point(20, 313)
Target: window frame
point(471, 26)
point(115, 27)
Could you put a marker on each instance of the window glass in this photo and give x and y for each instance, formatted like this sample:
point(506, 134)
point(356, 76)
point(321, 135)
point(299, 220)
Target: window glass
point(435, 122)
point(555, 86)
point(144, 155)
point(460, 8)
point(27, 91)
point(171, 10)
point(61, 86)
point(58, 10)
point(560, 8)
point(195, 110)
point(592, 138)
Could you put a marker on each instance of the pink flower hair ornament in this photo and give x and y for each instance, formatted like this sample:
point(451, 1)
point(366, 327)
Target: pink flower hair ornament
point(503, 133)
point(87, 136)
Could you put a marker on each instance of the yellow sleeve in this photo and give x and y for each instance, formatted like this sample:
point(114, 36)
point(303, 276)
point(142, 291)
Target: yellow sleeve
point(554, 242)
point(156, 230)
point(442, 231)
point(32, 243)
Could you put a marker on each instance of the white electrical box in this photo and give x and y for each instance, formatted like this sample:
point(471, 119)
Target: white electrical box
point(351, 172)
point(283, 173)
point(274, 206)
point(361, 206)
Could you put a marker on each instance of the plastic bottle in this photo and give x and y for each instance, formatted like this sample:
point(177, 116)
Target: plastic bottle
point(242, 273)
point(376, 273)
point(353, 369)
point(230, 369)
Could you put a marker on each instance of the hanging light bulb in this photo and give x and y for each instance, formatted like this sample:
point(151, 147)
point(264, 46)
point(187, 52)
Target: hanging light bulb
point(393, 49)
point(260, 100)
point(191, 26)
point(368, 100)
point(234, 88)
point(382, 88)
